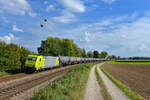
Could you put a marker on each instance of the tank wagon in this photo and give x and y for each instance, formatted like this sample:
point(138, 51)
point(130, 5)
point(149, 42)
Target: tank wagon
point(38, 63)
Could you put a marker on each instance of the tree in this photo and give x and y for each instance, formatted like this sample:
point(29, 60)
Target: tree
point(58, 47)
point(118, 57)
point(112, 57)
point(96, 54)
point(103, 54)
point(76, 50)
point(12, 57)
point(84, 53)
point(23, 56)
point(3, 59)
point(50, 47)
point(90, 54)
point(67, 48)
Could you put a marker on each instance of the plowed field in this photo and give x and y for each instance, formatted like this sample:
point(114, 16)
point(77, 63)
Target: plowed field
point(137, 77)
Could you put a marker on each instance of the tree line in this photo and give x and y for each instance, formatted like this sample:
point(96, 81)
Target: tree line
point(66, 47)
point(59, 47)
point(12, 57)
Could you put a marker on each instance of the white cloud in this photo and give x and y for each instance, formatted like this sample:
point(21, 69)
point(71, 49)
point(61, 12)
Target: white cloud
point(50, 8)
point(16, 29)
point(109, 1)
point(32, 14)
point(144, 47)
point(45, 2)
point(73, 5)
point(8, 38)
point(67, 17)
point(88, 37)
point(124, 37)
point(5, 19)
point(19, 7)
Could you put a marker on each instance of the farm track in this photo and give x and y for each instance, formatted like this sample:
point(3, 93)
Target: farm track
point(134, 76)
point(16, 87)
point(93, 89)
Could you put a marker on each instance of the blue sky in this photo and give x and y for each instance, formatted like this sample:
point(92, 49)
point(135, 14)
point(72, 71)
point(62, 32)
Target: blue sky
point(120, 27)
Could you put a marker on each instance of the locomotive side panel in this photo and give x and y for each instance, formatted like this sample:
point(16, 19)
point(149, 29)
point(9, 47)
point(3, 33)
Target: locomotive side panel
point(51, 62)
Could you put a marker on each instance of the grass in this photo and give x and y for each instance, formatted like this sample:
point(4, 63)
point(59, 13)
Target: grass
point(4, 74)
point(113, 62)
point(70, 87)
point(104, 91)
point(131, 94)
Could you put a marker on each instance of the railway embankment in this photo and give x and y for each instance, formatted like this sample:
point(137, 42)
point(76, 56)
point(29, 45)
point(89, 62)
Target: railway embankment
point(24, 86)
point(69, 87)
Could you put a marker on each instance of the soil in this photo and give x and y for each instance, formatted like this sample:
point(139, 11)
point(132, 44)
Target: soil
point(137, 77)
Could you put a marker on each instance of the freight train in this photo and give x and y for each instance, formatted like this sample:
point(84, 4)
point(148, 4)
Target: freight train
point(39, 63)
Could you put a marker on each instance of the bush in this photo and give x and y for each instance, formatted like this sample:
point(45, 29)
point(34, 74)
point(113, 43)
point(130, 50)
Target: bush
point(12, 57)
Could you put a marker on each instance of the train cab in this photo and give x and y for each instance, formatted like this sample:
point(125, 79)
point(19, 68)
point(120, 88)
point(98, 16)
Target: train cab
point(33, 62)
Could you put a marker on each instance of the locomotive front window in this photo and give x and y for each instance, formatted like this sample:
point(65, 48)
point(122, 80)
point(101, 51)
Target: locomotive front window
point(32, 58)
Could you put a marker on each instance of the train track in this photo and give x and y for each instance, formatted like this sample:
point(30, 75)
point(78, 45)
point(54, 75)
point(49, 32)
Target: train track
point(15, 88)
point(12, 77)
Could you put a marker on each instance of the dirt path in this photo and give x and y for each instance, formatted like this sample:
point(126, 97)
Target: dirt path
point(93, 89)
point(114, 91)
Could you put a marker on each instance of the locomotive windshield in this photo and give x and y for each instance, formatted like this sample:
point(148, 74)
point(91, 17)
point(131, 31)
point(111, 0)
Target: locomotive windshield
point(32, 58)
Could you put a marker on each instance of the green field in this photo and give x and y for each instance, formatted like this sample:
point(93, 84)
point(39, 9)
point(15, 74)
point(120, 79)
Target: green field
point(70, 87)
point(113, 62)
